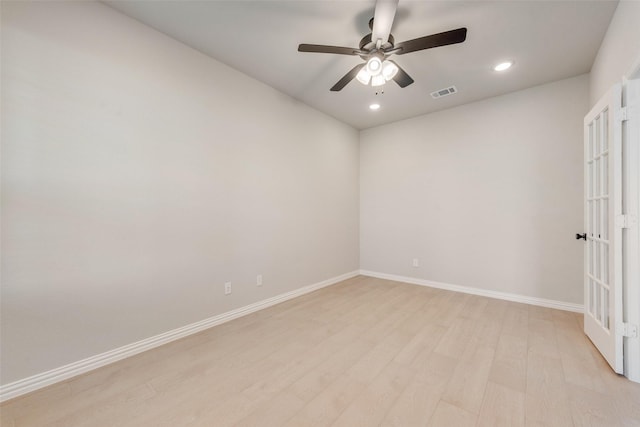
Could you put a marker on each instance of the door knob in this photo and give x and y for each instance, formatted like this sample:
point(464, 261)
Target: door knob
point(581, 236)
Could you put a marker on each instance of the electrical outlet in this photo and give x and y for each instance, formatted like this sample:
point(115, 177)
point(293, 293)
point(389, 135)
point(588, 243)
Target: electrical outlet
point(227, 288)
point(415, 262)
point(259, 280)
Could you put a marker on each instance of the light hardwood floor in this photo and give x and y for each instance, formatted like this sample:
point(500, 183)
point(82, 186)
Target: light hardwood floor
point(364, 352)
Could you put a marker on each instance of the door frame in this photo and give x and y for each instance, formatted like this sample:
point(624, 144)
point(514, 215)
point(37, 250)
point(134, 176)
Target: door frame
point(631, 253)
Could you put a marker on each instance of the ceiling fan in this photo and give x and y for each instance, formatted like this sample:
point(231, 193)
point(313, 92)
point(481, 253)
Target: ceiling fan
point(377, 46)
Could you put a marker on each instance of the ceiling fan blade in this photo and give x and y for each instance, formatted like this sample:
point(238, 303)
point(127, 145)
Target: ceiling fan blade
point(320, 48)
point(402, 78)
point(383, 19)
point(434, 40)
point(347, 78)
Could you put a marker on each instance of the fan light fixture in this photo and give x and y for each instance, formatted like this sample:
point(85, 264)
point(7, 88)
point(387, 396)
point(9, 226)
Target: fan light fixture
point(389, 70)
point(378, 80)
point(374, 106)
point(377, 72)
point(363, 76)
point(374, 66)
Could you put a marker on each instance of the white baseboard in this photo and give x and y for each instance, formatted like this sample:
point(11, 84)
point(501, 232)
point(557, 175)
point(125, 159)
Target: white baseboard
point(38, 381)
point(560, 305)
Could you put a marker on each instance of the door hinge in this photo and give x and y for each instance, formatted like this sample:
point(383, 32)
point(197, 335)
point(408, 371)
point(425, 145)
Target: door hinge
point(622, 114)
point(628, 330)
point(626, 221)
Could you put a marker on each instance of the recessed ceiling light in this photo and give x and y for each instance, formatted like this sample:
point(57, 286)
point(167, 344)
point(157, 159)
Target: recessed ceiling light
point(374, 106)
point(503, 66)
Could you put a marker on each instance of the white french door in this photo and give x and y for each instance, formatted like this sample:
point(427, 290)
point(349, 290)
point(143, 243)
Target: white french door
point(603, 249)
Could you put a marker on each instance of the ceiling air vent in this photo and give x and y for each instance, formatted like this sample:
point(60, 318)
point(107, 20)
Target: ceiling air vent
point(444, 92)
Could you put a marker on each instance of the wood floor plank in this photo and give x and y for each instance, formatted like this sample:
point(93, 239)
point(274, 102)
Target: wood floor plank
point(474, 308)
point(496, 310)
point(448, 415)
point(448, 307)
point(466, 387)
point(417, 403)
point(315, 381)
point(424, 341)
point(455, 340)
point(509, 366)
point(591, 408)
point(35, 402)
point(540, 313)
point(582, 372)
point(501, 407)
point(325, 408)
point(625, 395)
point(6, 418)
point(516, 320)
point(542, 338)
point(276, 412)
point(547, 399)
point(370, 407)
point(362, 352)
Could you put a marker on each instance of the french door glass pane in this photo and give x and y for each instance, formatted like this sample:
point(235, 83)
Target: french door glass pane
point(592, 219)
point(604, 140)
point(597, 219)
point(591, 139)
point(605, 219)
point(604, 169)
point(597, 302)
point(598, 180)
point(591, 295)
point(605, 263)
point(597, 260)
point(596, 144)
point(605, 308)
point(590, 190)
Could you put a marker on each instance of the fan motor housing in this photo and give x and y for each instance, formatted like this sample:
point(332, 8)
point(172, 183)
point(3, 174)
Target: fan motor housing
point(367, 44)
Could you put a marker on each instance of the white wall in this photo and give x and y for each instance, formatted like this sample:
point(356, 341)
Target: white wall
point(139, 175)
point(618, 51)
point(487, 195)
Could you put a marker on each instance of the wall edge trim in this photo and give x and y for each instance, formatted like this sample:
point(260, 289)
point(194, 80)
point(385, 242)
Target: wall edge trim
point(56, 375)
point(541, 302)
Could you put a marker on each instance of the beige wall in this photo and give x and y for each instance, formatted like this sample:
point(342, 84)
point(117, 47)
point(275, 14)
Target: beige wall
point(487, 195)
point(620, 49)
point(139, 175)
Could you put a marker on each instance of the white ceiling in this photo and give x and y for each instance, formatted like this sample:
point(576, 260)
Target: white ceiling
point(548, 40)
